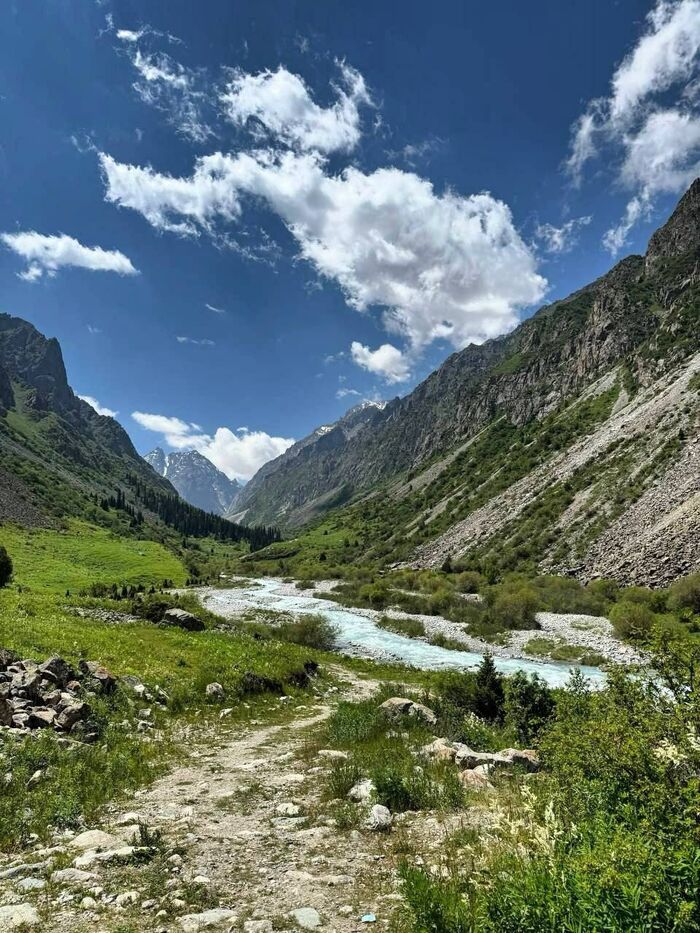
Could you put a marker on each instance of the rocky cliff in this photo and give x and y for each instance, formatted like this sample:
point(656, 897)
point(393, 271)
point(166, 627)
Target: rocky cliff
point(196, 479)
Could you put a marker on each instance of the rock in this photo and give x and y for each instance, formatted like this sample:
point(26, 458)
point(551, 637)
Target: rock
point(35, 779)
point(333, 754)
point(6, 712)
point(201, 879)
point(18, 916)
point(72, 876)
point(423, 712)
point(40, 718)
point(191, 923)
point(396, 706)
point(88, 903)
point(336, 881)
point(362, 791)
point(7, 658)
point(215, 692)
point(467, 758)
point(308, 918)
point(70, 713)
point(526, 758)
point(126, 898)
point(128, 819)
point(57, 671)
point(379, 819)
point(258, 926)
point(287, 809)
point(183, 619)
point(474, 780)
point(99, 677)
point(94, 839)
point(31, 884)
point(440, 749)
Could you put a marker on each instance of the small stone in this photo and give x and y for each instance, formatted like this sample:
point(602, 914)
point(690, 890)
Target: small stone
point(308, 918)
point(126, 898)
point(257, 926)
point(128, 819)
point(287, 809)
point(94, 839)
point(201, 879)
point(149, 904)
point(345, 911)
point(379, 819)
point(333, 754)
point(35, 779)
point(88, 903)
point(368, 918)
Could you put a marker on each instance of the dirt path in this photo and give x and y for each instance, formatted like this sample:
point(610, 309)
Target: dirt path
point(245, 843)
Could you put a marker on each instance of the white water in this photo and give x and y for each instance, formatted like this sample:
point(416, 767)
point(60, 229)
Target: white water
point(358, 634)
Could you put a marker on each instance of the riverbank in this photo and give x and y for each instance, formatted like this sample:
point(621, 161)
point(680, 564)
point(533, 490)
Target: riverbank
point(360, 635)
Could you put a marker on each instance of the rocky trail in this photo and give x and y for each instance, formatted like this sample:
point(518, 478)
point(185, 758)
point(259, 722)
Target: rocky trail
point(243, 842)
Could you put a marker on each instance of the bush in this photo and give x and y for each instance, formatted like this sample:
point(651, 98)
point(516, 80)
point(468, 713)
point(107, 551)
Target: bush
point(685, 594)
point(411, 628)
point(515, 608)
point(5, 567)
point(529, 706)
point(632, 620)
point(311, 631)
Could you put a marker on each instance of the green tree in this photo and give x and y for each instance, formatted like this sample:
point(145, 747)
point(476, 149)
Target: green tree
point(529, 705)
point(5, 567)
point(488, 691)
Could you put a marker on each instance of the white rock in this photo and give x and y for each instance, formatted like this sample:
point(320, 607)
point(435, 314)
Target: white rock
point(379, 819)
point(94, 839)
point(18, 916)
point(287, 809)
point(31, 884)
point(308, 918)
point(362, 791)
point(126, 898)
point(257, 926)
point(128, 819)
point(88, 903)
point(191, 923)
point(72, 876)
point(333, 754)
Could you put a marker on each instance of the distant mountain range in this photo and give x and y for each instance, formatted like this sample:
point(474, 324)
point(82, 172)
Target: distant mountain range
point(569, 445)
point(196, 478)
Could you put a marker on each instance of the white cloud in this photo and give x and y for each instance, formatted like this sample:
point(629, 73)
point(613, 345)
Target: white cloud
point(198, 342)
point(441, 266)
point(215, 309)
point(280, 104)
point(94, 330)
point(45, 255)
point(100, 409)
point(648, 125)
point(239, 454)
point(163, 83)
point(344, 393)
point(561, 239)
point(386, 361)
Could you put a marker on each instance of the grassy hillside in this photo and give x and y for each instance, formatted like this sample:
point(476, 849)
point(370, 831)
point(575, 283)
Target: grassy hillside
point(82, 554)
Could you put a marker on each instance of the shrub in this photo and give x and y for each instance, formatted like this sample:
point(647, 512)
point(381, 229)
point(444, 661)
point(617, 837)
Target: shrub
point(5, 567)
point(515, 608)
point(469, 581)
point(353, 723)
point(529, 705)
point(311, 631)
point(632, 620)
point(685, 594)
point(488, 691)
point(411, 628)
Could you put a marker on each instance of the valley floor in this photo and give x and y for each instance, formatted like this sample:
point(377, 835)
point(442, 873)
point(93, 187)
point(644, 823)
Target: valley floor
point(244, 843)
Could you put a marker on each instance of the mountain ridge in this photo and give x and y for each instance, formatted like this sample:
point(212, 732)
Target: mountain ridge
point(195, 478)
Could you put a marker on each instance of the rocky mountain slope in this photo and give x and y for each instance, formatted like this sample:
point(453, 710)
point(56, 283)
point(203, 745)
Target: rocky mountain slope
point(196, 479)
point(60, 459)
point(569, 444)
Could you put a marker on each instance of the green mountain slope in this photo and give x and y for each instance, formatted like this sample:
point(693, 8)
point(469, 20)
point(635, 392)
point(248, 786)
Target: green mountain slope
point(569, 445)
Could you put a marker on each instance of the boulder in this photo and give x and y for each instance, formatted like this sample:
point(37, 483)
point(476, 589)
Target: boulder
point(41, 718)
point(379, 819)
point(308, 918)
point(70, 713)
point(18, 917)
point(362, 791)
point(468, 759)
point(98, 677)
point(526, 758)
point(191, 923)
point(7, 658)
point(440, 749)
point(473, 780)
point(395, 707)
point(72, 876)
point(183, 619)
point(6, 712)
point(94, 839)
point(57, 671)
point(215, 692)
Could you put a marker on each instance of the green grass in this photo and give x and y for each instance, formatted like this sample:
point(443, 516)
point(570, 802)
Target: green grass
point(55, 561)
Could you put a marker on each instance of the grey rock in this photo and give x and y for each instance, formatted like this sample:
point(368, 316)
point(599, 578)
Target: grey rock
point(379, 819)
point(18, 916)
point(308, 918)
point(183, 619)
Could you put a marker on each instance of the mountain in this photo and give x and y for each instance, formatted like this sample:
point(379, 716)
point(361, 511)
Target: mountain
point(196, 478)
point(569, 444)
point(59, 458)
point(287, 486)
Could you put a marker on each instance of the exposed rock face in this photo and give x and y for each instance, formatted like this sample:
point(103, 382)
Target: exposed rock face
point(196, 478)
point(183, 619)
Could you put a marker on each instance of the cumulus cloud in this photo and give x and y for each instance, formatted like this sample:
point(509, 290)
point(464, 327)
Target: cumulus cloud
point(45, 255)
point(441, 265)
point(279, 104)
point(561, 239)
point(100, 409)
point(386, 361)
point(649, 121)
point(239, 454)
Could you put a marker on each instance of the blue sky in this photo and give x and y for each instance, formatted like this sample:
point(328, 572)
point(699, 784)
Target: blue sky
point(270, 211)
